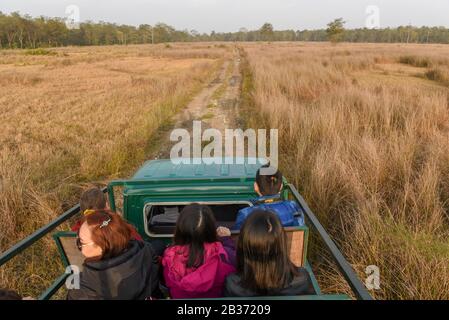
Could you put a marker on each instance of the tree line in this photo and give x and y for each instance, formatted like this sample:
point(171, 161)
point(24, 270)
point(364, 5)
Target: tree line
point(24, 31)
point(17, 31)
point(336, 32)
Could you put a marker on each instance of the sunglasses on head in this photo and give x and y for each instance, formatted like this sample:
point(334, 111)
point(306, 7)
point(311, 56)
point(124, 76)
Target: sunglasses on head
point(104, 224)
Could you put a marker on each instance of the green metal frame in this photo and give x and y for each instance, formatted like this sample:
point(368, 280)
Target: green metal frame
point(306, 244)
point(149, 185)
point(57, 237)
point(111, 196)
point(59, 282)
point(136, 193)
point(315, 284)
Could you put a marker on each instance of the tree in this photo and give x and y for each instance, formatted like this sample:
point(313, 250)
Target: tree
point(55, 32)
point(335, 30)
point(163, 33)
point(10, 29)
point(33, 31)
point(267, 32)
point(21, 24)
point(146, 33)
point(2, 29)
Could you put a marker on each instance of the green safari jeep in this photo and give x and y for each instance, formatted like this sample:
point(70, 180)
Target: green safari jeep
point(161, 187)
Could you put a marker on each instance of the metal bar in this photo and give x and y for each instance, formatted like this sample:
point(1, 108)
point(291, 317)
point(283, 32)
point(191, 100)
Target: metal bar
point(33, 238)
point(111, 193)
point(57, 239)
point(54, 287)
point(356, 285)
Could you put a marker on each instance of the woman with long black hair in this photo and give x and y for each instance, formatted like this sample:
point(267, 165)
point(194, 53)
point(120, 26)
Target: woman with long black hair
point(201, 257)
point(263, 264)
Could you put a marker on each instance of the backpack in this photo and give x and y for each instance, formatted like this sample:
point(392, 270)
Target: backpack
point(288, 212)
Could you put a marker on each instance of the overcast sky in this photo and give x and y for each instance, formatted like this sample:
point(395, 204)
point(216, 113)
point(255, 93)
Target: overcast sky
point(230, 15)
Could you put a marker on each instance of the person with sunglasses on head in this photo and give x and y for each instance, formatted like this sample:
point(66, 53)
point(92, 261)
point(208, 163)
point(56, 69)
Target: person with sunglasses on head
point(93, 200)
point(116, 267)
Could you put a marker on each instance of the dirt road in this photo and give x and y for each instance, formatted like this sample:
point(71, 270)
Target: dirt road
point(216, 106)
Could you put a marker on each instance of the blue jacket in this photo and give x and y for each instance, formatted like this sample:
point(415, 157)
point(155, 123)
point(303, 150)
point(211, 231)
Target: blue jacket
point(288, 212)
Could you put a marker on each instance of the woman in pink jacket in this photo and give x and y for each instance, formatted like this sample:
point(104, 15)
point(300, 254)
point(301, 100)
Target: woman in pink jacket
point(202, 256)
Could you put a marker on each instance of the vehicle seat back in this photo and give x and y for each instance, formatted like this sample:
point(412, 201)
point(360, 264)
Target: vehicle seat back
point(296, 243)
point(70, 255)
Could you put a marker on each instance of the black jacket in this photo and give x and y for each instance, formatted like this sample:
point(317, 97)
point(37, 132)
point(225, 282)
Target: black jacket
point(131, 276)
point(300, 285)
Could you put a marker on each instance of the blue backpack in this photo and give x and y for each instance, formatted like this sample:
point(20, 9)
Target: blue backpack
point(288, 212)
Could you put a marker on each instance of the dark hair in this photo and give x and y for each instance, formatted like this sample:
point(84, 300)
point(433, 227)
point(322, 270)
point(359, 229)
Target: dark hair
point(92, 199)
point(262, 257)
point(269, 184)
point(110, 232)
point(196, 226)
point(6, 294)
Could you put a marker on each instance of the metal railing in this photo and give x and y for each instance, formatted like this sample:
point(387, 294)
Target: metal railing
point(349, 274)
point(36, 236)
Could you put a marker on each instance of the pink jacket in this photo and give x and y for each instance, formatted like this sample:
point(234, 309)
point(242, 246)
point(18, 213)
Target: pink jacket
point(206, 281)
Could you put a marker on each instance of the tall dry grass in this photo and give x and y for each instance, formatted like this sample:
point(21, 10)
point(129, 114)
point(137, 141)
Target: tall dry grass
point(364, 134)
point(78, 116)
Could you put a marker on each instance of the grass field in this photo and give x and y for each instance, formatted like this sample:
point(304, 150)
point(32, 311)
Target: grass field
point(364, 134)
point(76, 116)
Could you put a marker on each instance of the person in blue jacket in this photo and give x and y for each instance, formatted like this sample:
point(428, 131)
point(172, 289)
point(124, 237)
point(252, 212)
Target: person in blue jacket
point(269, 188)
